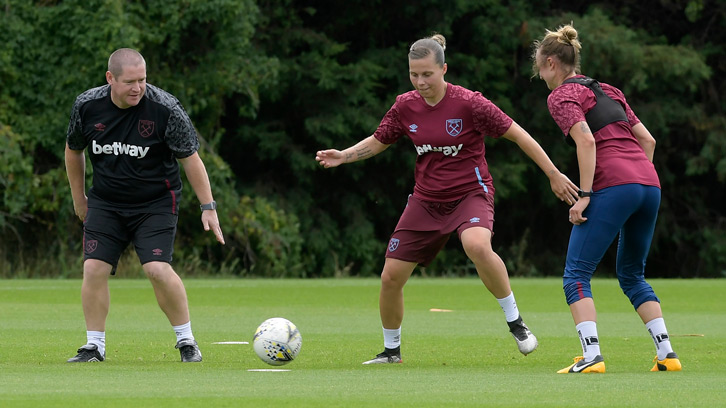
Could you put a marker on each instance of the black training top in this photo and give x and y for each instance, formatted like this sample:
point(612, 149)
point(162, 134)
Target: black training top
point(133, 151)
point(606, 109)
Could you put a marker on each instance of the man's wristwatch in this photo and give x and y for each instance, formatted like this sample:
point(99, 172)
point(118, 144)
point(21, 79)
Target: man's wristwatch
point(210, 206)
point(581, 193)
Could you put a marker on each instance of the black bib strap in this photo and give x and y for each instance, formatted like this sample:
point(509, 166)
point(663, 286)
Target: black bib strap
point(605, 111)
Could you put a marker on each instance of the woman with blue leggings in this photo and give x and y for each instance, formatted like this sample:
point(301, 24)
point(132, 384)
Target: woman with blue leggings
point(619, 195)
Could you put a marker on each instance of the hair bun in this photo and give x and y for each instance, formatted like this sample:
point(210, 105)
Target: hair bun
point(568, 34)
point(439, 39)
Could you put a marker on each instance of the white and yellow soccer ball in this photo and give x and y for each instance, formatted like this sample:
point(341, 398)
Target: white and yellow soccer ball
point(277, 341)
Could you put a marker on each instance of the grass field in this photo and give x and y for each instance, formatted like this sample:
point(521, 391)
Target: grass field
point(462, 358)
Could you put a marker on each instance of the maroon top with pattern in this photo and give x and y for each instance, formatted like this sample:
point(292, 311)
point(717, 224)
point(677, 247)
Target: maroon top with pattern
point(449, 140)
point(619, 157)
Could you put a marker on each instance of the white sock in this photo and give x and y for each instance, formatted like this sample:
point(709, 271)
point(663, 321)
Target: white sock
point(509, 306)
point(98, 339)
point(184, 331)
point(658, 332)
point(588, 339)
point(391, 338)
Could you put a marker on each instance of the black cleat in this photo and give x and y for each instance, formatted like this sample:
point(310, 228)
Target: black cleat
point(189, 351)
point(87, 354)
point(388, 356)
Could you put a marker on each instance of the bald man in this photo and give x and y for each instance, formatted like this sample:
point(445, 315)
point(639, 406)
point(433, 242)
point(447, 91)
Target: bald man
point(135, 134)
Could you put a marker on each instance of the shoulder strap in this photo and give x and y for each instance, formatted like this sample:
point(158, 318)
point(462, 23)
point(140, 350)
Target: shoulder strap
point(586, 81)
point(606, 109)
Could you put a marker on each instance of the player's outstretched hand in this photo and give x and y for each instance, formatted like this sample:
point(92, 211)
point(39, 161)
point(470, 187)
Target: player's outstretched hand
point(563, 188)
point(329, 158)
point(211, 222)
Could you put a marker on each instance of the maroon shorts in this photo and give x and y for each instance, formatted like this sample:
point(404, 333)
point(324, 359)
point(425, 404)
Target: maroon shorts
point(425, 227)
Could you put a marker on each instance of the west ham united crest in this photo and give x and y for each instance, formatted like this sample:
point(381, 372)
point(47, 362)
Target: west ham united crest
point(453, 127)
point(393, 245)
point(91, 245)
point(146, 128)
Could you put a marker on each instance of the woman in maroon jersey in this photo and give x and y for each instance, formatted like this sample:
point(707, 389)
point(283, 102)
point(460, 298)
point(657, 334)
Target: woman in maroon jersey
point(453, 191)
point(620, 194)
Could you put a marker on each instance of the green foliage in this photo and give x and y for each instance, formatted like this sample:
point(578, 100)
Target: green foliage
point(198, 50)
point(16, 174)
point(268, 83)
point(261, 239)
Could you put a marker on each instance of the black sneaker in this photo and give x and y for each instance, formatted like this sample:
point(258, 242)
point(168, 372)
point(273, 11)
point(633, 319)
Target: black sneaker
point(388, 356)
point(526, 342)
point(189, 351)
point(87, 354)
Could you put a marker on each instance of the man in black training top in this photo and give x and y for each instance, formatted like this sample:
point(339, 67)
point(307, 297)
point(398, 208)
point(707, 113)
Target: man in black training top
point(134, 133)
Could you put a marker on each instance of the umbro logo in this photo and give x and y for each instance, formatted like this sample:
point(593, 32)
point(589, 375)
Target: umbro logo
point(157, 252)
point(413, 128)
point(474, 220)
point(99, 127)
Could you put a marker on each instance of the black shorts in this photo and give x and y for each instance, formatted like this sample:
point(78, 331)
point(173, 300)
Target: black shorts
point(106, 234)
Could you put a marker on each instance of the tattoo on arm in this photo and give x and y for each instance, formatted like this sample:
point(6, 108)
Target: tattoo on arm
point(348, 156)
point(584, 128)
point(363, 153)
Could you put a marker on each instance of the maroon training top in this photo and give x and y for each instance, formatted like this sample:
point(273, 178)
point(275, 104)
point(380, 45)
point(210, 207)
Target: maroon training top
point(619, 157)
point(449, 140)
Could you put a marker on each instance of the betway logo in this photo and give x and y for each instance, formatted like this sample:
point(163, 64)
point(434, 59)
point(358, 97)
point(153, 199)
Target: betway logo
point(117, 148)
point(446, 150)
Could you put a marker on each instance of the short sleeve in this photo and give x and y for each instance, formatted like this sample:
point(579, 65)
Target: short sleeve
point(389, 130)
point(565, 107)
point(489, 119)
point(74, 135)
point(181, 136)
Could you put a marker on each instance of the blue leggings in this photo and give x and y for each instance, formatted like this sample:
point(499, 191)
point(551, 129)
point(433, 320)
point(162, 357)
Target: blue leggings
point(629, 209)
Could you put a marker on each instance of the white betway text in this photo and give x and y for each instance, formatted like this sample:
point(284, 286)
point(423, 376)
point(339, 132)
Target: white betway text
point(446, 150)
point(117, 148)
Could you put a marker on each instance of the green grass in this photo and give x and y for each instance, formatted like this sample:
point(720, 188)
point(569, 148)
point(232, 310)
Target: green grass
point(457, 359)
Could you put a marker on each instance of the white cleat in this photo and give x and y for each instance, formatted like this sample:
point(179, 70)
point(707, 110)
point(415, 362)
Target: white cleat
point(526, 341)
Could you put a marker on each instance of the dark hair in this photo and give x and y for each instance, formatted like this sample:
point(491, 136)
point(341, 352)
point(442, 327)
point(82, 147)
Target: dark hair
point(435, 44)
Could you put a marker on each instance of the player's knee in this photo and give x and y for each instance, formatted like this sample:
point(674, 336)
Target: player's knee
point(576, 289)
point(391, 281)
point(394, 278)
point(158, 271)
point(479, 253)
point(638, 292)
point(94, 269)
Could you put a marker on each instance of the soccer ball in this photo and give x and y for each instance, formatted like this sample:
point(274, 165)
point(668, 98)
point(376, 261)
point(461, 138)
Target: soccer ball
point(277, 341)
